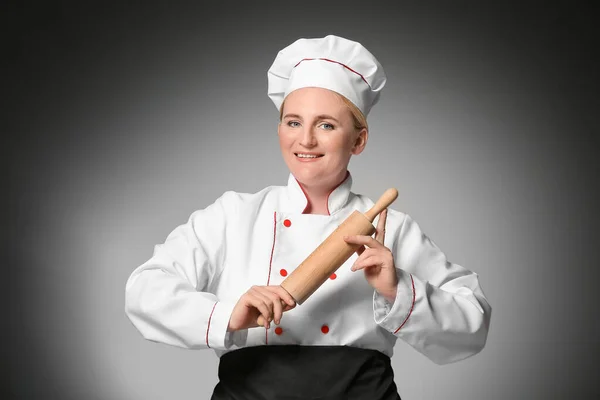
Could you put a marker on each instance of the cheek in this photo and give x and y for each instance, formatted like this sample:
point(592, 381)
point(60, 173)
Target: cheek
point(283, 138)
point(342, 145)
point(285, 142)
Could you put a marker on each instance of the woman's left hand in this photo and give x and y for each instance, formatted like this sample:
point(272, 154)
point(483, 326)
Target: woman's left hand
point(376, 260)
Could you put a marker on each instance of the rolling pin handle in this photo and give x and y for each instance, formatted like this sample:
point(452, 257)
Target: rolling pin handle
point(384, 202)
point(260, 321)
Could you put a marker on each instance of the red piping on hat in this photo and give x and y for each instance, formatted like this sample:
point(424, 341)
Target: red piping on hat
point(337, 62)
point(411, 307)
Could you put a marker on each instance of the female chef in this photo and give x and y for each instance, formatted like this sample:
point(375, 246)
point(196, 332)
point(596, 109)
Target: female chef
point(207, 284)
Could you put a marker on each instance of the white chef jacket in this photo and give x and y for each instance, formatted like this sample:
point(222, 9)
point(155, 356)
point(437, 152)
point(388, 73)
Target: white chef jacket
point(185, 293)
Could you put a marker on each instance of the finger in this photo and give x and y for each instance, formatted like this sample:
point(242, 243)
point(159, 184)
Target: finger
point(360, 250)
point(254, 300)
point(364, 240)
point(266, 306)
point(283, 294)
point(262, 308)
point(268, 300)
point(380, 231)
point(286, 303)
point(367, 251)
point(366, 262)
point(277, 305)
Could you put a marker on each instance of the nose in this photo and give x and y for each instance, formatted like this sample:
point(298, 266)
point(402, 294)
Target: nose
point(309, 139)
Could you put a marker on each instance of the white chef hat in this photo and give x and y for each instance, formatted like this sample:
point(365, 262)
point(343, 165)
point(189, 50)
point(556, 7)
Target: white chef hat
point(333, 63)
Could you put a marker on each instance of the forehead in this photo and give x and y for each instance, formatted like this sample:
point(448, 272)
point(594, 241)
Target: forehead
point(313, 100)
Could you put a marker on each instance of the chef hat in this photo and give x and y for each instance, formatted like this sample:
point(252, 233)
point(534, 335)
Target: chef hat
point(333, 63)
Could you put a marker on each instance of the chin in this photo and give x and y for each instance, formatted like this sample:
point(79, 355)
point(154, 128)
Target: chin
point(306, 178)
point(313, 180)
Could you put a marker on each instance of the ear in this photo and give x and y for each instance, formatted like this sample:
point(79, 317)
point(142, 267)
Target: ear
point(361, 141)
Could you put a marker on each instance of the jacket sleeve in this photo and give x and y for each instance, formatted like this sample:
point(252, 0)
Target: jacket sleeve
point(168, 298)
point(440, 309)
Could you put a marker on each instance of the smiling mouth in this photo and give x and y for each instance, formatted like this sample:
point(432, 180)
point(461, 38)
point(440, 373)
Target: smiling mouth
point(308, 156)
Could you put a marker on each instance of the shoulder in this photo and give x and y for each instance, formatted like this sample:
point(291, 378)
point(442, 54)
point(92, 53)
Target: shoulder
point(233, 207)
point(234, 202)
point(233, 199)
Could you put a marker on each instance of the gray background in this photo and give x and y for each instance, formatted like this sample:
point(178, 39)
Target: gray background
point(125, 119)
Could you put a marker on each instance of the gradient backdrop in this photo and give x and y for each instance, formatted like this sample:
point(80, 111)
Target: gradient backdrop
point(126, 119)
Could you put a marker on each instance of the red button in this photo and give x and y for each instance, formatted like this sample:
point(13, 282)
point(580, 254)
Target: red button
point(325, 329)
point(278, 330)
point(333, 276)
point(287, 223)
point(283, 272)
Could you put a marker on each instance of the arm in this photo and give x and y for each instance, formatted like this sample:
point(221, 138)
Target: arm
point(168, 297)
point(439, 309)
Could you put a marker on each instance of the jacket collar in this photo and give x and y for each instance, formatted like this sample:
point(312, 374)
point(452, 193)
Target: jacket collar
point(337, 198)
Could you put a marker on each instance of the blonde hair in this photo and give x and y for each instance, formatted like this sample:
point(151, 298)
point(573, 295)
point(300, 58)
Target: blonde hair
point(360, 121)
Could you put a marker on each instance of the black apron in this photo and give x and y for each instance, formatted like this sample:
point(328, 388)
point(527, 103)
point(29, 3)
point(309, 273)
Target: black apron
point(292, 372)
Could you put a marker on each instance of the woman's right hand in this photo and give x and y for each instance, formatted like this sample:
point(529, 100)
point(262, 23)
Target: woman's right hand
point(269, 301)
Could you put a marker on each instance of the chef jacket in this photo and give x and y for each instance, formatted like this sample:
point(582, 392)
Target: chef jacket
point(185, 293)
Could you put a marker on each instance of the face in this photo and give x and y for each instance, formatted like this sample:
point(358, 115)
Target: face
point(317, 137)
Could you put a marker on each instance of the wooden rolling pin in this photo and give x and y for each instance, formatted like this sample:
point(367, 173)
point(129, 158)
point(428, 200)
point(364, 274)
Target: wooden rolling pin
point(333, 252)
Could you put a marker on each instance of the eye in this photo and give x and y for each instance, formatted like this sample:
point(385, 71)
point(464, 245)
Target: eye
point(293, 124)
point(327, 126)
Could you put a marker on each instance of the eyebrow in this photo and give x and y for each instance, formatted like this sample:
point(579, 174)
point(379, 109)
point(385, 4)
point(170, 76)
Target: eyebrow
point(322, 116)
point(292, 116)
point(325, 116)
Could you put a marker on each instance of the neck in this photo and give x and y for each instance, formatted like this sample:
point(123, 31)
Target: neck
point(317, 202)
point(318, 196)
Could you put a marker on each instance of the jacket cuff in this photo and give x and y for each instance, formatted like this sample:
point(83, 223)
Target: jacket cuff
point(217, 336)
point(392, 317)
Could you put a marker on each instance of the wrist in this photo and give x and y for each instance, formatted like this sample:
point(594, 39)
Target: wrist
point(230, 328)
point(389, 294)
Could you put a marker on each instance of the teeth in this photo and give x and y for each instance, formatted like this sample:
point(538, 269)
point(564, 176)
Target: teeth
point(307, 156)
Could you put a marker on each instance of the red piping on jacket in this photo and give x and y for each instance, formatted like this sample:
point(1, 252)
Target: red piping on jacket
point(336, 62)
point(412, 306)
point(305, 195)
point(339, 184)
point(272, 247)
point(271, 263)
point(208, 327)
